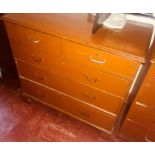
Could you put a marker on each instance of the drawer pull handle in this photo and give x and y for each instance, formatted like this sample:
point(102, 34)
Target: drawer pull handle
point(39, 77)
point(32, 39)
point(85, 114)
point(90, 79)
point(96, 61)
point(147, 139)
point(36, 59)
point(92, 98)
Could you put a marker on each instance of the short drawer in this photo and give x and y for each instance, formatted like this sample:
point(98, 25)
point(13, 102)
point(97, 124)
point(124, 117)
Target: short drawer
point(33, 40)
point(99, 60)
point(141, 114)
point(36, 57)
point(82, 92)
point(79, 109)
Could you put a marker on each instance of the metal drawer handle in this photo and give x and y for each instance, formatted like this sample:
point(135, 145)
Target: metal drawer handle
point(83, 113)
point(92, 98)
point(90, 79)
point(146, 139)
point(32, 39)
point(96, 61)
point(36, 59)
point(39, 77)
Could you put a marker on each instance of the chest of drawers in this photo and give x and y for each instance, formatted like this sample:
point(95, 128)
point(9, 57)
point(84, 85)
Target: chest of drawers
point(139, 124)
point(65, 66)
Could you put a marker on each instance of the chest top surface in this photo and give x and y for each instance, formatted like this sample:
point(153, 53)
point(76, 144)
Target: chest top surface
point(132, 41)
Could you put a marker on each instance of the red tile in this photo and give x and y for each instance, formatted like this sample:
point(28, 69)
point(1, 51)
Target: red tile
point(88, 133)
point(55, 130)
point(5, 93)
point(8, 87)
point(68, 125)
point(8, 122)
point(50, 132)
point(23, 121)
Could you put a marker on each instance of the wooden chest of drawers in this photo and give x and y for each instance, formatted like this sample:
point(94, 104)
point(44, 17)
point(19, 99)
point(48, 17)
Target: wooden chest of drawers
point(69, 68)
point(139, 124)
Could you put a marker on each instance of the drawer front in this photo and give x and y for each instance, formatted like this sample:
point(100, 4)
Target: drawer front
point(141, 114)
point(33, 40)
point(36, 57)
point(102, 81)
point(77, 90)
point(70, 105)
point(146, 92)
point(150, 134)
point(151, 76)
point(146, 96)
point(137, 132)
point(98, 59)
point(133, 131)
point(90, 114)
point(97, 79)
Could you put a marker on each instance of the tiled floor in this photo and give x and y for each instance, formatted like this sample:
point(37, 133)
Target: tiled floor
point(23, 121)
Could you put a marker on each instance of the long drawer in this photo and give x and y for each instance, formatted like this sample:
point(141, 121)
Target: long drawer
point(99, 60)
point(90, 95)
point(102, 81)
point(44, 44)
point(72, 106)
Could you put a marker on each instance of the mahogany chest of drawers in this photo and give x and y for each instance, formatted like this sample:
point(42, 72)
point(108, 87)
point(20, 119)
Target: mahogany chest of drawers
point(139, 124)
point(63, 65)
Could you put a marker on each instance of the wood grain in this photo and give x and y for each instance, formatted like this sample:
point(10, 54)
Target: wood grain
point(132, 41)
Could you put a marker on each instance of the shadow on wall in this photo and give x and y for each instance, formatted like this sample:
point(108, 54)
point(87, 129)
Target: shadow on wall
point(7, 63)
